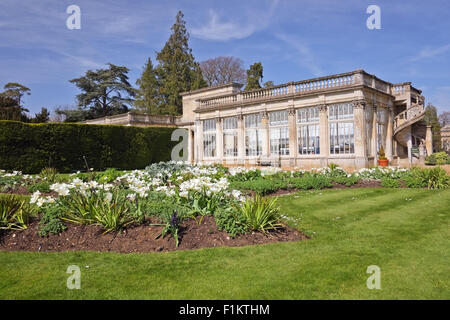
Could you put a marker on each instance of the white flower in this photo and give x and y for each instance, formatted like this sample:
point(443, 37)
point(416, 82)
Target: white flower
point(108, 197)
point(131, 196)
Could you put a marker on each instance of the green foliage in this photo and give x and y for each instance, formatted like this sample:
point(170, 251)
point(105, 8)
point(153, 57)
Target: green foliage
point(147, 94)
point(382, 154)
point(438, 158)
point(231, 220)
point(105, 91)
point(260, 214)
point(110, 210)
point(434, 178)
point(49, 174)
point(109, 175)
point(246, 175)
point(41, 117)
point(31, 147)
point(15, 213)
point(42, 186)
point(51, 222)
point(431, 119)
point(254, 76)
point(387, 182)
point(177, 70)
point(346, 180)
point(261, 186)
point(311, 181)
point(172, 227)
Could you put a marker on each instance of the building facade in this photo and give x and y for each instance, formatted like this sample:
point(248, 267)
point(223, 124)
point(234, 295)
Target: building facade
point(343, 119)
point(445, 138)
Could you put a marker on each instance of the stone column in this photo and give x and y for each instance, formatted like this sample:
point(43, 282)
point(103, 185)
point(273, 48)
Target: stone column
point(374, 133)
point(265, 134)
point(219, 140)
point(292, 137)
point(324, 135)
point(359, 133)
point(429, 140)
point(198, 141)
point(389, 133)
point(241, 139)
point(409, 144)
point(190, 150)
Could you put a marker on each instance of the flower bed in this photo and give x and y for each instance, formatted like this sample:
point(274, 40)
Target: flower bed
point(166, 196)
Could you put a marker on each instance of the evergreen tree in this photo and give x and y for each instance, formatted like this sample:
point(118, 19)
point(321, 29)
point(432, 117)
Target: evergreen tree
point(41, 117)
point(431, 119)
point(177, 70)
point(105, 91)
point(147, 93)
point(254, 76)
point(11, 102)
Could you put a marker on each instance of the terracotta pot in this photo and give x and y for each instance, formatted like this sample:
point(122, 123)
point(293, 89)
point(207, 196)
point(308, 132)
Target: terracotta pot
point(383, 163)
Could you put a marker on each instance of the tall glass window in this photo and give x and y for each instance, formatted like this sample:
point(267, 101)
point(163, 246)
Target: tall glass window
point(230, 143)
point(381, 119)
point(253, 135)
point(308, 134)
point(342, 138)
point(279, 133)
point(209, 138)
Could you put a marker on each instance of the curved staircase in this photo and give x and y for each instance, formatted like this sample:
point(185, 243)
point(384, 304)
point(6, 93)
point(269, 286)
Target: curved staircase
point(405, 119)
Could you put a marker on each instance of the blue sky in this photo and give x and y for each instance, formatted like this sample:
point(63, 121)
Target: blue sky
point(293, 39)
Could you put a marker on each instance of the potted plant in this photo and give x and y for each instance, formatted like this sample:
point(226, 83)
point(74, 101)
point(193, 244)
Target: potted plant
point(382, 160)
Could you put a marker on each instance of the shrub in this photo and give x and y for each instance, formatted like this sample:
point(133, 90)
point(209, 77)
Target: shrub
point(434, 178)
point(42, 186)
point(390, 182)
point(438, 158)
point(109, 175)
point(311, 181)
point(346, 180)
point(32, 147)
point(51, 222)
point(49, 174)
point(261, 186)
point(260, 214)
point(15, 213)
point(231, 220)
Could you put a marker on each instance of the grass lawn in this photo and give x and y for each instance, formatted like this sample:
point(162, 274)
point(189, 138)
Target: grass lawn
point(403, 231)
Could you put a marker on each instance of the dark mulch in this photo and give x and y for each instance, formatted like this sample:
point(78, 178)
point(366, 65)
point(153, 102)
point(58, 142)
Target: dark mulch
point(139, 238)
point(24, 191)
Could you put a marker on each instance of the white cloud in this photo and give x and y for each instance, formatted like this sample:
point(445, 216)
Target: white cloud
point(305, 57)
point(429, 52)
point(218, 30)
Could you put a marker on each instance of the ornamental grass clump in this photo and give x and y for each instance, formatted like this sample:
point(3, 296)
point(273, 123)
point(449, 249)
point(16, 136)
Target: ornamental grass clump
point(15, 213)
point(261, 214)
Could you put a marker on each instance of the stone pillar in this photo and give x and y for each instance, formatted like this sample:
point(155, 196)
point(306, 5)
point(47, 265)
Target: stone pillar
point(241, 139)
point(199, 141)
point(359, 133)
point(191, 153)
point(324, 135)
point(265, 134)
point(219, 140)
point(292, 137)
point(409, 145)
point(429, 140)
point(374, 133)
point(389, 133)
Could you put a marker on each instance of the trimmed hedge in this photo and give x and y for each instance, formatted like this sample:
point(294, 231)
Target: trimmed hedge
point(31, 147)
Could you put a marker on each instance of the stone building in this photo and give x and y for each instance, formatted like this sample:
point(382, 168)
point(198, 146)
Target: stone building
point(343, 119)
point(445, 138)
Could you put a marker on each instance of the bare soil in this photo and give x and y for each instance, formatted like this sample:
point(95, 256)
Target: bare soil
point(139, 238)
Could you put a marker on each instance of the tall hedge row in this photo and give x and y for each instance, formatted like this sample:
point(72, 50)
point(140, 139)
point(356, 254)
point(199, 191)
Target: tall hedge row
point(32, 147)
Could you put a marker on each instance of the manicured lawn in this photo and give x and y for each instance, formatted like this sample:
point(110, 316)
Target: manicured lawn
point(403, 231)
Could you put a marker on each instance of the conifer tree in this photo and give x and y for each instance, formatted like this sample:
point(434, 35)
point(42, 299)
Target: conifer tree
point(254, 76)
point(177, 70)
point(147, 93)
